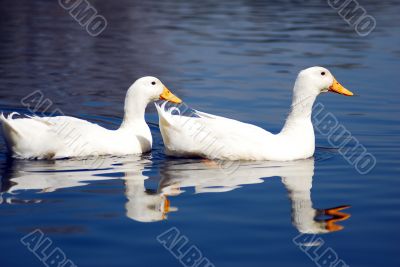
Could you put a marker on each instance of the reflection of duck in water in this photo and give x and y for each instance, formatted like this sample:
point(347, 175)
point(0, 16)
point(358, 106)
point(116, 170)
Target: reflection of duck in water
point(145, 205)
point(304, 217)
point(45, 176)
point(149, 205)
point(296, 176)
point(48, 176)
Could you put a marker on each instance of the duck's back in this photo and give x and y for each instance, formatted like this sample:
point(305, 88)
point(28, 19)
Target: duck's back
point(50, 137)
point(212, 137)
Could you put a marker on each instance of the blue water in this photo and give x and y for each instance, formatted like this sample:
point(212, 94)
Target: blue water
point(232, 58)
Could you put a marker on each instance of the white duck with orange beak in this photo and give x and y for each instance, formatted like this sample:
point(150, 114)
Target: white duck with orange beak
point(215, 137)
point(65, 137)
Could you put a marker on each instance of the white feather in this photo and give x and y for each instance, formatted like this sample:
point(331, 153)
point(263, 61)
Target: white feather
point(216, 137)
point(58, 137)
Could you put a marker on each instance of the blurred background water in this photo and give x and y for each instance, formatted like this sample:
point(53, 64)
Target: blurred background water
point(232, 58)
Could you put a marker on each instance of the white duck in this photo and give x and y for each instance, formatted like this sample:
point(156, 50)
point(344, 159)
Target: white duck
point(64, 137)
point(216, 137)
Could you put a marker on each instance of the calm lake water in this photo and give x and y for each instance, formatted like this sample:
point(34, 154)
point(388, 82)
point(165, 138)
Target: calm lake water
point(232, 58)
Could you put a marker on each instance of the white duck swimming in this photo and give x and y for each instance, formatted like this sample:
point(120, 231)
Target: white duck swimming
point(64, 137)
point(216, 137)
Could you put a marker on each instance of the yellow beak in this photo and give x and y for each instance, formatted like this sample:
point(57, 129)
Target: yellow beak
point(167, 95)
point(336, 87)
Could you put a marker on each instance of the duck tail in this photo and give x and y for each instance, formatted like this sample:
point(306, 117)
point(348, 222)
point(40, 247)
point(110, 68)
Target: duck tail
point(2, 118)
point(7, 122)
point(164, 115)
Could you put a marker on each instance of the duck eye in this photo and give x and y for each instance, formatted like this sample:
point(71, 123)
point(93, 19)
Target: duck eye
point(153, 83)
point(323, 73)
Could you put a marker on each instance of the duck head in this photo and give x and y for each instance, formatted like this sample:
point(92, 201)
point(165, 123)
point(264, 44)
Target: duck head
point(316, 80)
point(152, 89)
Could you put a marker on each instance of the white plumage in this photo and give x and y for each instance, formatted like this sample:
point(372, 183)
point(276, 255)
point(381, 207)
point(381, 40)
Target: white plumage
point(64, 137)
point(216, 137)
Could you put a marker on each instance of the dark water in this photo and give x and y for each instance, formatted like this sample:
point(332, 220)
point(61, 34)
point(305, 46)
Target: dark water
point(231, 58)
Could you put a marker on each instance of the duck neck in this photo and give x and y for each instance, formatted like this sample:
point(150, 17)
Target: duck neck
point(135, 107)
point(300, 112)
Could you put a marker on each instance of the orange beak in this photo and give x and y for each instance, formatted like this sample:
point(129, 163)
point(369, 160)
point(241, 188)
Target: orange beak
point(167, 95)
point(336, 87)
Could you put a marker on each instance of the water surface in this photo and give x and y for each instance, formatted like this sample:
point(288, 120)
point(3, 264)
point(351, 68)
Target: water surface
point(232, 58)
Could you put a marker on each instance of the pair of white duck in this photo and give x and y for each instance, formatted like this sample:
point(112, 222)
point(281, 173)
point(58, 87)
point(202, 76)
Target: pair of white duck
point(64, 137)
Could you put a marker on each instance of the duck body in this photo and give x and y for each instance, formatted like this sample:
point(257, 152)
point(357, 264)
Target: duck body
point(65, 137)
point(215, 137)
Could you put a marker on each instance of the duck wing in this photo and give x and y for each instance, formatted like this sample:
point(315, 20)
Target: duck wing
point(210, 136)
point(47, 137)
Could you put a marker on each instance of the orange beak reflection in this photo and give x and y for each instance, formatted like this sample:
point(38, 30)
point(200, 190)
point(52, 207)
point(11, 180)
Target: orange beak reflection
point(336, 87)
point(336, 216)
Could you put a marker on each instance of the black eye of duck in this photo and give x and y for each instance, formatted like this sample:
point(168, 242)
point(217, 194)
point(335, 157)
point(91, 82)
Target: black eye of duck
point(153, 83)
point(323, 73)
